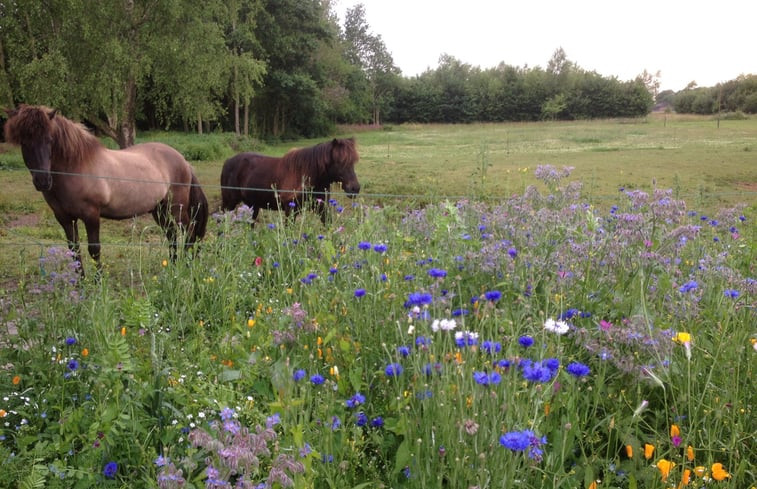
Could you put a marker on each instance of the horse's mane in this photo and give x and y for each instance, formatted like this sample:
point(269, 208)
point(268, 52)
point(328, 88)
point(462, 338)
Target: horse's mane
point(312, 161)
point(71, 141)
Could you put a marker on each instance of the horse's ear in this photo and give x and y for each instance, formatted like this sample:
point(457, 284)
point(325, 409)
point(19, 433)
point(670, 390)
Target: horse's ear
point(335, 142)
point(52, 113)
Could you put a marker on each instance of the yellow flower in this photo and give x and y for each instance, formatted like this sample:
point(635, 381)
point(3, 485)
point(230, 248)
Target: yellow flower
point(593, 485)
point(674, 430)
point(699, 471)
point(629, 451)
point(648, 451)
point(123, 331)
point(16, 379)
point(685, 478)
point(682, 338)
point(690, 453)
point(665, 466)
point(3, 413)
point(250, 323)
point(719, 473)
point(85, 352)
point(164, 263)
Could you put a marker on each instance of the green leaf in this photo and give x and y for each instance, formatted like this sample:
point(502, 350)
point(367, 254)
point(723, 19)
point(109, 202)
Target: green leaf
point(230, 375)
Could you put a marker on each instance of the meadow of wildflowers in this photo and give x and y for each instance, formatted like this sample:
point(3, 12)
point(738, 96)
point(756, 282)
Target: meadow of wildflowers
point(535, 342)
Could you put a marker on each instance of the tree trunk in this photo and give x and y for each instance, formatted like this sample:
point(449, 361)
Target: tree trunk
point(199, 123)
point(235, 81)
point(246, 119)
point(127, 132)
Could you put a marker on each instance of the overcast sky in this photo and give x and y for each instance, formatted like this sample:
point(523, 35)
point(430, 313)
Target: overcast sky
point(706, 42)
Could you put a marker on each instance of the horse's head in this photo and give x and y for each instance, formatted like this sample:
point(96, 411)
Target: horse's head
point(31, 128)
point(342, 167)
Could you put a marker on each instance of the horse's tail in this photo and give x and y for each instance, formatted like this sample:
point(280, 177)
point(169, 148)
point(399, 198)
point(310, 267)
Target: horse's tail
point(230, 194)
point(198, 211)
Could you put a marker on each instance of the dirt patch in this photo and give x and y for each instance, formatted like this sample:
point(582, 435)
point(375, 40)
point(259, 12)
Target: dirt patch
point(751, 187)
point(23, 220)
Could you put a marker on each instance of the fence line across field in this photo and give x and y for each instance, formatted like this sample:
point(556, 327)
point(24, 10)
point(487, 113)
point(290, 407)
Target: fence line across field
point(432, 197)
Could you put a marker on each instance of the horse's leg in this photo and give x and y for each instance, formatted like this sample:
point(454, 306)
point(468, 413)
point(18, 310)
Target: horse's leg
point(163, 217)
point(320, 203)
point(71, 230)
point(92, 224)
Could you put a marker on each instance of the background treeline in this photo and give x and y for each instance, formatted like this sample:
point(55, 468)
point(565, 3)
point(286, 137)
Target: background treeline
point(739, 95)
point(274, 69)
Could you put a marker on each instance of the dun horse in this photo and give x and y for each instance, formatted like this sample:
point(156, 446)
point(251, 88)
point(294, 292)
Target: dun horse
point(83, 180)
point(267, 182)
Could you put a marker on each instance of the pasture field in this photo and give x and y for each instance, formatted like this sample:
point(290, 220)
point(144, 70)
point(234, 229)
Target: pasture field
point(479, 317)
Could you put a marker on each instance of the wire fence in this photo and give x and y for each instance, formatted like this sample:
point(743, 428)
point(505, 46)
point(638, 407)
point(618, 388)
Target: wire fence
point(367, 195)
point(415, 197)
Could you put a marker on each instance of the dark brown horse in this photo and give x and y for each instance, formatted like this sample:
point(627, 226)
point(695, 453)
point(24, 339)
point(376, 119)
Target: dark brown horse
point(267, 182)
point(82, 179)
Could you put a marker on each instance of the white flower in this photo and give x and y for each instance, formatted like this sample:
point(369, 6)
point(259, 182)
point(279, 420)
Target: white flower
point(557, 327)
point(443, 324)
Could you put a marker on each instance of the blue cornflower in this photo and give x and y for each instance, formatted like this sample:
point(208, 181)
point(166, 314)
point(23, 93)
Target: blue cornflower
point(578, 369)
point(493, 295)
point(272, 420)
point(380, 248)
point(383, 277)
point(377, 422)
point(336, 423)
point(298, 375)
point(512, 252)
point(732, 293)
point(70, 341)
point(491, 347)
point(110, 470)
point(504, 364)
point(306, 450)
point(437, 272)
point(393, 370)
point(525, 341)
point(359, 293)
point(361, 419)
point(422, 341)
point(515, 440)
point(688, 286)
point(537, 372)
point(460, 312)
point(403, 350)
point(364, 245)
point(226, 414)
point(519, 441)
point(552, 364)
point(418, 299)
point(162, 461)
point(73, 364)
point(409, 278)
point(569, 313)
point(317, 379)
point(333, 270)
point(355, 400)
point(481, 378)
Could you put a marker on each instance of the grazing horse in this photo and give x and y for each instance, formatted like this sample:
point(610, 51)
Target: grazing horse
point(282, 183)
point(82, 179)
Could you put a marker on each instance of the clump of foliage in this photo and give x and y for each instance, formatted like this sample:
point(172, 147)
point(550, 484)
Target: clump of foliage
point(537, 342)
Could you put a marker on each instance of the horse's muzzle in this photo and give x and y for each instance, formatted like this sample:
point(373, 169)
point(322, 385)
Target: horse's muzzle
point(351, 190)
point(42, 182)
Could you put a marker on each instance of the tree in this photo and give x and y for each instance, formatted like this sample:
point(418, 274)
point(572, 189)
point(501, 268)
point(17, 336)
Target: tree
point(368, 52)
point(246, 70)
point(96, 60)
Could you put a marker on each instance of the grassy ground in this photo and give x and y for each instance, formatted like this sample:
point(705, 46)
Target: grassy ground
point(709, 164)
